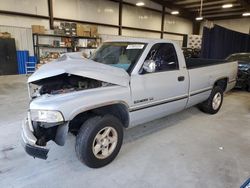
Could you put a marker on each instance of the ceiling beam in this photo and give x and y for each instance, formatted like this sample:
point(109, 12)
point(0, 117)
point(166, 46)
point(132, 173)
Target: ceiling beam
point(245, 4)
point(226, 17)
point(183, 12)
point(222, 10)
point(188, 2)
point(228, 12)
point(212, 7)
point(212, 10)
point(206, 4)
point(223, 14)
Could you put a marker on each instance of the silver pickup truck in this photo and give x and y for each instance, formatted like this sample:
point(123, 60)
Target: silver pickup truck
point(125, 83)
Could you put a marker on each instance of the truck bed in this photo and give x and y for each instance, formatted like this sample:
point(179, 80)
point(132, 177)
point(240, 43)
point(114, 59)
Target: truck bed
point(204, 73)
point(193, 63)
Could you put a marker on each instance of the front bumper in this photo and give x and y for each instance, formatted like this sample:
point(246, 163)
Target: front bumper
point(29, 141)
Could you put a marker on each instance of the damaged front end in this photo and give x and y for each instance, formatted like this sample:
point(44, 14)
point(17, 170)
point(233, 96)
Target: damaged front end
point(36, 134)
point(42, 126)
point(64, 83)
point(51, 89)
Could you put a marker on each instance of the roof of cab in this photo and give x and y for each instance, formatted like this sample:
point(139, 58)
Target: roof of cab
point(141, 40)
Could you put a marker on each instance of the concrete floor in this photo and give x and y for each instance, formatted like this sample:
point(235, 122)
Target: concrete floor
point(187, 149)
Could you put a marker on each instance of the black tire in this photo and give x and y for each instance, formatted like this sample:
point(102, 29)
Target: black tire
point(207, 106)
point(87, 134)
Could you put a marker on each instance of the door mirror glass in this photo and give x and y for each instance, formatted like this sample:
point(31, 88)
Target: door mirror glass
point(149, 66)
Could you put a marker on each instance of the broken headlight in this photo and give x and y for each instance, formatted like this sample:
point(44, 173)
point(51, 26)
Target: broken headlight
point(46, 116)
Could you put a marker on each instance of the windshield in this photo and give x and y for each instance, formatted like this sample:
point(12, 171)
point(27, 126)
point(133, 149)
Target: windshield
point(119, 54)
point(239, 57)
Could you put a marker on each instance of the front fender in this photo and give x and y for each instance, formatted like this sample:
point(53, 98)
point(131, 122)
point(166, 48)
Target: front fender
point(71, 104)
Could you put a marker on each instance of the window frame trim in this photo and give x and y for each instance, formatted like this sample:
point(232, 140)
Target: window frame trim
point(177, 69)
point(132, 65)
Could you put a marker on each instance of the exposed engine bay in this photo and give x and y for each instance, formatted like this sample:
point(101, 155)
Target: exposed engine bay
point(64, 83)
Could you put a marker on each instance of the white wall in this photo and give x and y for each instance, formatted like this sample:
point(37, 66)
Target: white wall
point(241, 25)
point(19, 21)
point(23, 37)
point(178, 39)
point(101, 11)
point(87, 10)
point(177, 25)
point(148, 4)
point(20, 29)
point(107, 30)
point(38, 7)
point(141, 18)
point(140, 34)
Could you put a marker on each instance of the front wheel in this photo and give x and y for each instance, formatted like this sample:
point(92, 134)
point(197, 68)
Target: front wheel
point(99, 140)
point(213, 104)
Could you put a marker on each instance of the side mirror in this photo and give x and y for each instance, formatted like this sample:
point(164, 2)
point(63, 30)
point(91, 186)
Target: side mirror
point(149, 66)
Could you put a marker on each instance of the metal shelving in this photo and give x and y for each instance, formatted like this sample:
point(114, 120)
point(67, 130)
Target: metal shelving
point(74, 40)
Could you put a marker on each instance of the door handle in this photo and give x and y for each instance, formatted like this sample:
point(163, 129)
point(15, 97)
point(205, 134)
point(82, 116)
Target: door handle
point(181, 78)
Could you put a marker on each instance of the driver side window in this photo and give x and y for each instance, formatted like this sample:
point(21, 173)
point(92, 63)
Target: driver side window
point(165, 57)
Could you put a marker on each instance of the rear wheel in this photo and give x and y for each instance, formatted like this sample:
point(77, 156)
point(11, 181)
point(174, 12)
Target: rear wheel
point(213, 104)
point(99, 141)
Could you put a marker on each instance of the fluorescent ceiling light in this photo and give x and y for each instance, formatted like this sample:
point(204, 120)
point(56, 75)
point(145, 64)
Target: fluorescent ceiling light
point(227, 6)
point(139, 4)
point(175, 12)
point(246, 14)
point(199, 18)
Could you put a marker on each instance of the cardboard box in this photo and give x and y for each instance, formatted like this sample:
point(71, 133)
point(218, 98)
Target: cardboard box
point(35, 28)
point(79, 30)
point(5, 35)
point(82, 30)
point(86, 28)
point(67, 41)
point(93, 31)
point(41, 29)
point(86, 34)
point(38, 29)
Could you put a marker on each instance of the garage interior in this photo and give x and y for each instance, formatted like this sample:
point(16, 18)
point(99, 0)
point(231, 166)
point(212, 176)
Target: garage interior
point(185, 149)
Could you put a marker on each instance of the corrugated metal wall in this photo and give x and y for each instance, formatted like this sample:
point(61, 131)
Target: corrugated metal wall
point(23, 37)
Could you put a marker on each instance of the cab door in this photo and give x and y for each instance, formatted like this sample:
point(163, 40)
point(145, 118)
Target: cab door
point(161, 92)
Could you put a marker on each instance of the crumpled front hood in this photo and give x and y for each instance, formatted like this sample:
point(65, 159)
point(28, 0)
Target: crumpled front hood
point(82, 67)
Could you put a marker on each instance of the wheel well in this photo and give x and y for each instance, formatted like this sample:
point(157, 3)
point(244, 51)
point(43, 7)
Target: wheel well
point(222, 83)
point(118, 110)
